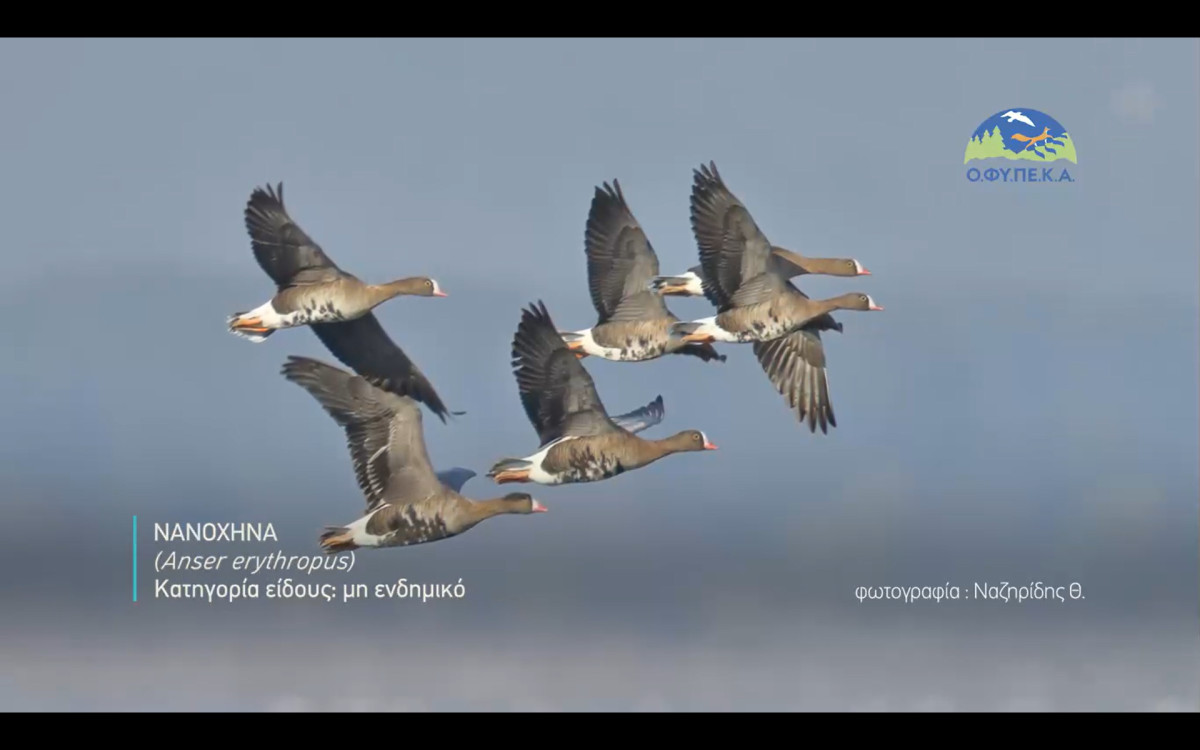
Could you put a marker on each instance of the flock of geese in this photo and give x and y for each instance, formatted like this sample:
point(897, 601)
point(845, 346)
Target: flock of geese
point(746, 278)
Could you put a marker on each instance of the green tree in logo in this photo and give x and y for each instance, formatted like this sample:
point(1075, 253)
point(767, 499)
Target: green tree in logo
point(990, 145)
point(987, 146)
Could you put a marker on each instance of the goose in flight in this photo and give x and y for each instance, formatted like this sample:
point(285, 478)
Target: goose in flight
point(310, 288)
point(407, 503)
point(578, 440)
point(758, 304)
point(633, 323)
point(313, 291)
point(756, 301)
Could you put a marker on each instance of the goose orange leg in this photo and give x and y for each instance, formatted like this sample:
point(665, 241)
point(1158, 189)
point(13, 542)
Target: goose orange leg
point(504, 477)
point(250, 324)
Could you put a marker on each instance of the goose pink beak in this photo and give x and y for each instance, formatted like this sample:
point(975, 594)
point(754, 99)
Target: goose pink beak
point(538, 507)
point(708, 446)
point(876, 307)
point(440, 293)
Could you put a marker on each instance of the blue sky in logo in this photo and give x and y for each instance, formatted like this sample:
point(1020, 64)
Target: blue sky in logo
point(1017, 121)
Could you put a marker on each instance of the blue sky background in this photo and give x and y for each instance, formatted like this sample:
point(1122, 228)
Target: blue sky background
point(1025, 409)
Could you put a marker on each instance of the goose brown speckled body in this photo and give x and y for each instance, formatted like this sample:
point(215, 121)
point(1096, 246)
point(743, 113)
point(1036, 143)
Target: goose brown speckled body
point(337, 306)
point(407, 502)
point(757, 303)
point(579, 442)
point(633, 323)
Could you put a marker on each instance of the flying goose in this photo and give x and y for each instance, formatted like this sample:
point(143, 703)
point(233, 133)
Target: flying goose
point(757, 302)
point(755, 299)
point(310, 286)
point(313, 291)
point(633, 323)
point(407, 503)
point(578, 441)
point(691, 282)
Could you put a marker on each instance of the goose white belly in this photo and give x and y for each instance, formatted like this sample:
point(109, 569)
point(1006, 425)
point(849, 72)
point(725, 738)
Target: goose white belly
point(637, 346)
point(587, 342)
point(591, 468)
point(710, 327)
point(539, 474)
point(269, 317)
point(760, 329)
point(312, 309)
point(358, 533)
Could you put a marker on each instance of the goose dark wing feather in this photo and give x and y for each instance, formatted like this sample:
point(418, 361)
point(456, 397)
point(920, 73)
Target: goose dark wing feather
point(557, 393)
point(620, 259)
point(362, 345)
point(733, 250)
point(795, 365)
point(641, 307)
point(383, 431)
point(710, 292)
point(284, 251)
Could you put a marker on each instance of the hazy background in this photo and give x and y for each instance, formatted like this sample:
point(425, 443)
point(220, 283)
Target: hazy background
point(1024, 410)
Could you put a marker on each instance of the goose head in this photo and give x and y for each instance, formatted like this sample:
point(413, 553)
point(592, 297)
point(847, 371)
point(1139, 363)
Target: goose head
point(522, 503)
point(835, 267)
point(689, 440)
point(855, 301)
point(416, 286)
